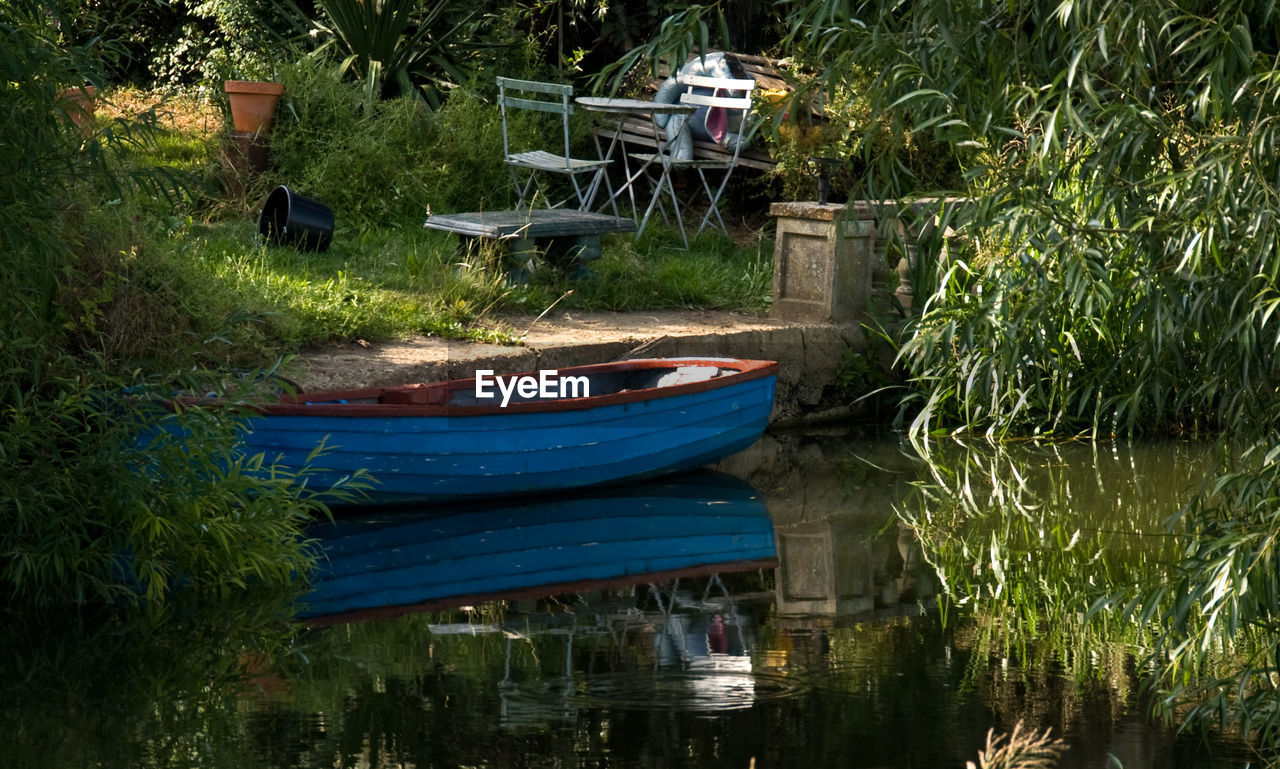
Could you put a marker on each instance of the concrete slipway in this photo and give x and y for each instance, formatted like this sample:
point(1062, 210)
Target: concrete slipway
point(808, 353)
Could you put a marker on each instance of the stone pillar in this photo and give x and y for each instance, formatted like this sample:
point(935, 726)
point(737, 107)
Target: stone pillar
point(825, 260)
point(829, 258)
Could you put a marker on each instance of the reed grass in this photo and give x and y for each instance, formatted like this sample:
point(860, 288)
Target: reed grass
point(1019, 749)
point(1115, 273)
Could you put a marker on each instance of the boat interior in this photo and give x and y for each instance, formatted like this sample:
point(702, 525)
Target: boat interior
point(613, 381)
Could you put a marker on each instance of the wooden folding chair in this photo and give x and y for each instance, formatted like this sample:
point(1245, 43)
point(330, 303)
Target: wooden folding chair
point(555, 99)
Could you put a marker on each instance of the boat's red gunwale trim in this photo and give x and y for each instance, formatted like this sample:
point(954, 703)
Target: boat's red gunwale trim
point(540, 591)
point(745, 371)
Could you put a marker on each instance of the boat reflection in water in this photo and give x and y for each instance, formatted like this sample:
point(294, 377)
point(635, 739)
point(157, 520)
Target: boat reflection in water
point(395, 561)
point(646, 566)
point(635, 629)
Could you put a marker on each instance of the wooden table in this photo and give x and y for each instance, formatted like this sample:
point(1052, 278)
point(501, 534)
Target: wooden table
point(651, 109)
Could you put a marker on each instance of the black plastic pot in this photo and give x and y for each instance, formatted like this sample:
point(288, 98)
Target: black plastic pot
point(289, 219)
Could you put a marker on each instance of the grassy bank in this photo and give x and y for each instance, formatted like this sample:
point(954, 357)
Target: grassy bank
point(385, 276)
point(132, 271)
point(389, 283)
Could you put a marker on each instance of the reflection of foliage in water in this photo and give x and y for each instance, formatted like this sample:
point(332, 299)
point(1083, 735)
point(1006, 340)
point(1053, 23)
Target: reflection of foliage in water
point(82, 690)
point(1132, 559)
point(1221, 652)
point(1027, 538)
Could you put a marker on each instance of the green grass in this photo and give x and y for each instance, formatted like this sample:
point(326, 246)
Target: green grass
point(396, 283)
point(385, 276)
point(382, 285)
point(649, 274)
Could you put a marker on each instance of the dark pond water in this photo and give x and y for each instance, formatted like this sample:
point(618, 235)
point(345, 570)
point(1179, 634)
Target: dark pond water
point(669, 639)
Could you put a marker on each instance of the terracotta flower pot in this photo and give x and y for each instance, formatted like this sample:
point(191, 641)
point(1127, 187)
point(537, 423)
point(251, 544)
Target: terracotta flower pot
point(78, 104)
point(253, 104)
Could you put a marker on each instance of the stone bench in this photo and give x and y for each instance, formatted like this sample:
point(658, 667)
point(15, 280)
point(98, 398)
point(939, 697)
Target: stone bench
point(565, 238)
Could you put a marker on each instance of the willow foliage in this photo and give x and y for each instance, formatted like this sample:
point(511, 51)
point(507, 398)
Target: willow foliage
point(1119, 269)
point(1122, 228)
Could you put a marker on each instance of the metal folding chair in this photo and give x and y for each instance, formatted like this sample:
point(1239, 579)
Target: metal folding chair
point(731, 95)
point(554, 99)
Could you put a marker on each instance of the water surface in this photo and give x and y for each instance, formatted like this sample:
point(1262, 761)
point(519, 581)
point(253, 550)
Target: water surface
point(835, 649)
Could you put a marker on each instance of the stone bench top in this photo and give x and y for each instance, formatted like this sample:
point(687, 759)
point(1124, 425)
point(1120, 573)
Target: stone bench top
point(537, 223)
point(858, 209)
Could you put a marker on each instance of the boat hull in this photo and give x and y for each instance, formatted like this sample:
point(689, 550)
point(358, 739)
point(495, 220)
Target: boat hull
point(501, 454)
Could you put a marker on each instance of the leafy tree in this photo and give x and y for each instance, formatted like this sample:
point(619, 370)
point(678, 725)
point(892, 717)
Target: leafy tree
point(1121, 267)
point(95, 508)
point(1119, 161)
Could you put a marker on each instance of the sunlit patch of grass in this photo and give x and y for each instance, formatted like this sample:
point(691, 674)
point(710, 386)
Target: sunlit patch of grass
point(187, 126)
point(406, 281)
point(186, 152)
point(182, 135)
point(714, 274)
point(386, 276)
point(187, 113)
point(378, 287)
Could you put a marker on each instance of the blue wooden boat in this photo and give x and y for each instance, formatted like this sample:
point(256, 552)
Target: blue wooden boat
point(390, 561)
point(493, 436)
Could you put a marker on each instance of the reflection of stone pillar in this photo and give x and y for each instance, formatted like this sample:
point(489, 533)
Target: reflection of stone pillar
point(826, 567)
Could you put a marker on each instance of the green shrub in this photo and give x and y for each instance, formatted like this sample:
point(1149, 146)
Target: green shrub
point(389, 164)
point(834, 118)
point(469, 174)
point(87, 514)
point(96, 513)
